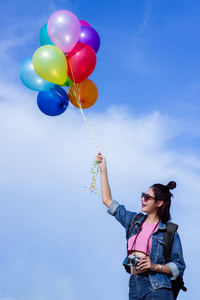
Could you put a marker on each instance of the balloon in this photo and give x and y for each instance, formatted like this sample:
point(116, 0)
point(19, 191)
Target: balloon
point(64, 29)
point(31, 79)
point(90, 36)
point(54, 102)
point(44, 37)
point(84, 23)
point(84, 93)
point(50, 64)
point(68, 82)
point(81, 62)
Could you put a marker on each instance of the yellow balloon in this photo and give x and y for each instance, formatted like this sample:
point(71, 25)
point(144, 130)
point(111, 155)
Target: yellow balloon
point(50, 63)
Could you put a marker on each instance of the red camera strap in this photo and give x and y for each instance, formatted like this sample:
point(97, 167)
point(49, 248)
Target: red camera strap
point(147, 248)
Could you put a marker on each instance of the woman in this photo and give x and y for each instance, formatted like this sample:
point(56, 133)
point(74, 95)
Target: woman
point(150, 275)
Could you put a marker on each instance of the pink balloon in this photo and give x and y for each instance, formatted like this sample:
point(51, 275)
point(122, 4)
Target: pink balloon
point(84, 23)
point(64, 29)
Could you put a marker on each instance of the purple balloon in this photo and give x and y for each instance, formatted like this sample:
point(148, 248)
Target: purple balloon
point(90, 36)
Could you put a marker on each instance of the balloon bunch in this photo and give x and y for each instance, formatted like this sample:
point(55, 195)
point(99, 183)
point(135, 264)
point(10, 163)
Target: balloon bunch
point(66, 58)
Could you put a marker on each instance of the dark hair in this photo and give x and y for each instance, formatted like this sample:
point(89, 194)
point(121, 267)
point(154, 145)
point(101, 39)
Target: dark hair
point(162, 192)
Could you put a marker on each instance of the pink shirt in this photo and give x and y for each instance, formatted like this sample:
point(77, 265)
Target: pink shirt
point(141, 242)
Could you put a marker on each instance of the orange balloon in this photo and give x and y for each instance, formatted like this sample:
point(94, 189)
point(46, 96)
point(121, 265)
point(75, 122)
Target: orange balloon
point(83, 94)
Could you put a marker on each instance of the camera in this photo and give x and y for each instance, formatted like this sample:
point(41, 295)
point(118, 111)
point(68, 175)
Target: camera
point(133, 260)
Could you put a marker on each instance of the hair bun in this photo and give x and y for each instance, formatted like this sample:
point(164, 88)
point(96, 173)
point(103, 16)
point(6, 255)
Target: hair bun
point(171, 185)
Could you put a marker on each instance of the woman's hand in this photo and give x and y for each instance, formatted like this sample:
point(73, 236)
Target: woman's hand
point(146, 264)
point(102, 161)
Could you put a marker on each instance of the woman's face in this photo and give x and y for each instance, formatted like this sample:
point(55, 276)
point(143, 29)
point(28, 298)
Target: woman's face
point(149, 205)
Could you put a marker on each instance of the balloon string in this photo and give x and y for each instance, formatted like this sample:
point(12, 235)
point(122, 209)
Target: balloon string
point(94, 170)
point(77, 95)
point(95, 166)
point(89, 129)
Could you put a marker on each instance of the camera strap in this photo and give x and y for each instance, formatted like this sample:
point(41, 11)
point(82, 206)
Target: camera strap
point(147, 247)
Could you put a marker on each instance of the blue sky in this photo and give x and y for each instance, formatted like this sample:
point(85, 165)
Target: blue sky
point(57, 241)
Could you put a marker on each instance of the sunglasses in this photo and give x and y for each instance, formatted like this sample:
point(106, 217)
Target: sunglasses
point(146, 197)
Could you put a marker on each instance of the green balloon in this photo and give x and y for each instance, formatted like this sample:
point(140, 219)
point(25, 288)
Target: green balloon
point(68, 82)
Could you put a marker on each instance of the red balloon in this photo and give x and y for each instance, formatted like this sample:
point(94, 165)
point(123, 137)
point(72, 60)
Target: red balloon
point(81, 62)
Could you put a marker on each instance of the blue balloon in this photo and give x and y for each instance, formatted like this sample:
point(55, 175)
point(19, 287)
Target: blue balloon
point(44, 36)
point(31, 79)
point(54, 102)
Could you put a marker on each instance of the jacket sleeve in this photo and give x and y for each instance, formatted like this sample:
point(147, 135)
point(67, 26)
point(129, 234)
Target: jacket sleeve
point(121, 214)
point(177, 264)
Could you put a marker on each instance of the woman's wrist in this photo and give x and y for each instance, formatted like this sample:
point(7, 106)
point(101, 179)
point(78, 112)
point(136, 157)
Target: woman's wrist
point(158, 268)
point(103, 170)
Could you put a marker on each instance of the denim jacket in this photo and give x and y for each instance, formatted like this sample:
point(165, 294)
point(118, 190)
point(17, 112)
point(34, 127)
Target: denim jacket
point(176, 265)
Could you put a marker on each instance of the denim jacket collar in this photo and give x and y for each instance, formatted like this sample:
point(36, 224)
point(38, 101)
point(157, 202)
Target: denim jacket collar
point(162, 226)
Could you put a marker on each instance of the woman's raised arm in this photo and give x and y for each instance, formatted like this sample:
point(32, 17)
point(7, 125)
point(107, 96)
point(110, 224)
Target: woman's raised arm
point(105, 188)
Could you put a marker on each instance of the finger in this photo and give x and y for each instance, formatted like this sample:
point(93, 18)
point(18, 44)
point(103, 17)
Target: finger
point(99, 156)
point(146, 258)
point(142, 260)
point(143, 263)
point(144, 266)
